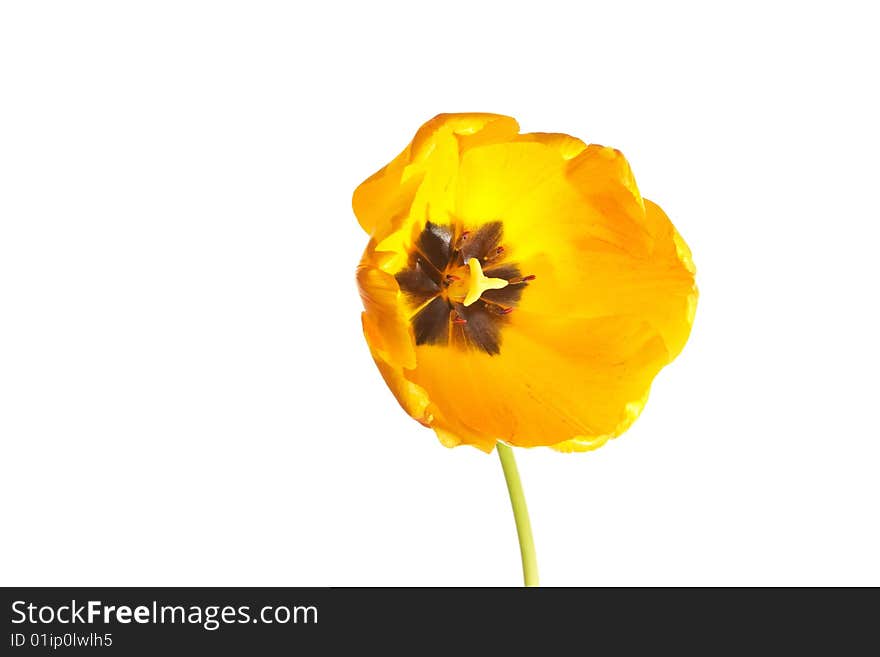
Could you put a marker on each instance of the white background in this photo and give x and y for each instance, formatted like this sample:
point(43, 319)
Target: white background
point(185, 394)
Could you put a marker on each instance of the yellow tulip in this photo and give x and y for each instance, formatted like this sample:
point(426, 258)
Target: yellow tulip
point(517, 287)
point(518, 290)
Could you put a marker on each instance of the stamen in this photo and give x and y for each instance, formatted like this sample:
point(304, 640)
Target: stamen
point(516, 280)
point(495, 254)
point(458, 319)
point(499, 310)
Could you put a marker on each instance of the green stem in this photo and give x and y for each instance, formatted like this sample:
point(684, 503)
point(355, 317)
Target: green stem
point(520, 515)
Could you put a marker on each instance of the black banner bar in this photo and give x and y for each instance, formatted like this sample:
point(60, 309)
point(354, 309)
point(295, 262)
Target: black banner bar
point(169, 621)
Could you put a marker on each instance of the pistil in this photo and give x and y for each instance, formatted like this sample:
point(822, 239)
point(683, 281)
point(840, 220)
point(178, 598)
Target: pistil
point(479, 283)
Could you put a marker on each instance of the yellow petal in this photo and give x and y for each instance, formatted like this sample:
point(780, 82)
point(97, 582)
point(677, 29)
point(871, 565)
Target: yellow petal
point(425, 168)
point(591, 277)
point(385, 318)
point(410, 396)
point(597, 248)
point(552, 381)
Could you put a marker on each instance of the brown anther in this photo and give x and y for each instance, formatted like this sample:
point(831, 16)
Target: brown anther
point(522, 279)
point(495, 254)
point(452, 277)
point(458, 319)
point(505, 311)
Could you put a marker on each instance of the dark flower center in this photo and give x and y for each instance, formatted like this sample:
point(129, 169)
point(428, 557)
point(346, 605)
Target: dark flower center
point(459, 286)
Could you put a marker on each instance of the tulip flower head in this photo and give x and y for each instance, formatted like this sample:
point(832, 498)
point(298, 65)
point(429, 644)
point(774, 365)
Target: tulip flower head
point(517, 288)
